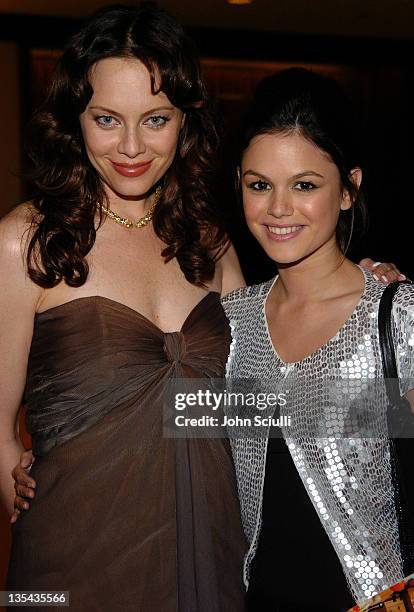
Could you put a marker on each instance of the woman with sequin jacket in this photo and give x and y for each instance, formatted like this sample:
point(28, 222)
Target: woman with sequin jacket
point(318, 506)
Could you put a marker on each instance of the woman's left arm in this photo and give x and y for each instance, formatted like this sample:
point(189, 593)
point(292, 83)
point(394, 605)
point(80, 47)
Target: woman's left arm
point(231, 274)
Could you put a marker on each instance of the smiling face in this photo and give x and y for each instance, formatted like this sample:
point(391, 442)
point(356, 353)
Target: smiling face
point(130, 134)
point(292, 196)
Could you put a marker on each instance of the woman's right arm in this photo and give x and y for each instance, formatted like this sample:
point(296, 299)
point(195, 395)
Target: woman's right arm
point(19, 297)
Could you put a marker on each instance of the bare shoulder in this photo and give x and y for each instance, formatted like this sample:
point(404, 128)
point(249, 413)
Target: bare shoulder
point(17, 224)
point(229, 268)
point(15, 231)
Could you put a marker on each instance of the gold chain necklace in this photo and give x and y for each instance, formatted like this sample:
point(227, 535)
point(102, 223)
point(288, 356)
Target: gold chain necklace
point(125, 222)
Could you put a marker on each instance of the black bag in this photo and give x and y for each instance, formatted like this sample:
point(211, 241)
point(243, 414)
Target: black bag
point(401, 428)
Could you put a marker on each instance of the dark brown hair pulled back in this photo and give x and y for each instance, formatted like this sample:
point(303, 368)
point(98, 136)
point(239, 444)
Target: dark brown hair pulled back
point(300, 101)
point(68, 189)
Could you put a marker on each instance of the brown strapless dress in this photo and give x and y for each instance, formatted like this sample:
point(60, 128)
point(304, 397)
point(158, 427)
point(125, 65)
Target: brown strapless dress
point(124, 518)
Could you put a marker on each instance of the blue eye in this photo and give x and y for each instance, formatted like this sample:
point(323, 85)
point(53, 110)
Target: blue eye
point(156, 121)
point(259, 186)
point(105, 121)
point(305, 186)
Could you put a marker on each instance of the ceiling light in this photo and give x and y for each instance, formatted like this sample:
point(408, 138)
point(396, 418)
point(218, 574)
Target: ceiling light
point(239, 1)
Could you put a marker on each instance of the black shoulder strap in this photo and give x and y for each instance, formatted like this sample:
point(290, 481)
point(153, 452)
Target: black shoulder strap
point(389, 364)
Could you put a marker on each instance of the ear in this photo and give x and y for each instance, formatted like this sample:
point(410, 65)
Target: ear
point(356, 177)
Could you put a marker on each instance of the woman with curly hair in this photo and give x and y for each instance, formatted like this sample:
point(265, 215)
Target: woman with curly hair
point(111, 284)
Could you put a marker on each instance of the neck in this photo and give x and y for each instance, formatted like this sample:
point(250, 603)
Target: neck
point(322, 275)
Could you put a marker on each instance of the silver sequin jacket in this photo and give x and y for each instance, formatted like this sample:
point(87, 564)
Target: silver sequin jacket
point(348, 479)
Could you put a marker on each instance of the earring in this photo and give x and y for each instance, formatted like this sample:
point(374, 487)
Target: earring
point(351, 230)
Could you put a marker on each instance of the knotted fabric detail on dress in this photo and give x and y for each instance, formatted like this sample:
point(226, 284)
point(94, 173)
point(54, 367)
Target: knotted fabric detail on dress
point(140, 521)
point(174, 346)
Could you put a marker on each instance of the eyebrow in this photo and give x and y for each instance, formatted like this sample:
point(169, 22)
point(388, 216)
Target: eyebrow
point(149, 112)
point(295, 177)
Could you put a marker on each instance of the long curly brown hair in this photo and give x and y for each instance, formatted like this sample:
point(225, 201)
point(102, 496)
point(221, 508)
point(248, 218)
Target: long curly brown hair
point(68, 189)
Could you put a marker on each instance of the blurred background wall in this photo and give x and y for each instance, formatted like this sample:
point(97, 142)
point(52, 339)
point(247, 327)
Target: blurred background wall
point(10, 142)
point(367, 45)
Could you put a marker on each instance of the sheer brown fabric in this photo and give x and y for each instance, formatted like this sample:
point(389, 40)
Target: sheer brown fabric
point(124, 518)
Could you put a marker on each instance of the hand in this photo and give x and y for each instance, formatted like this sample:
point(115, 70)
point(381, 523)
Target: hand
point(384, 272)
point(23, 484)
